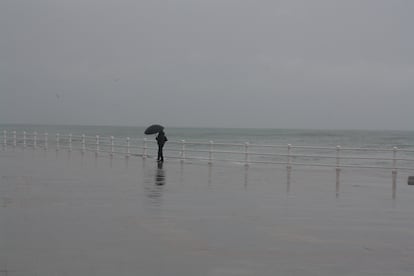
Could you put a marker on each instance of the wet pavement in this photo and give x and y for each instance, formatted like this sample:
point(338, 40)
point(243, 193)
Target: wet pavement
point(66, 213)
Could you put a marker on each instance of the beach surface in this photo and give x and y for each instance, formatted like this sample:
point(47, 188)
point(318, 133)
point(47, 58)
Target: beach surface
point(67, 213)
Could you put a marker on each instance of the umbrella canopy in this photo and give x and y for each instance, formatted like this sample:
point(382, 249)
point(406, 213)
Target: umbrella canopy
point(153, 129)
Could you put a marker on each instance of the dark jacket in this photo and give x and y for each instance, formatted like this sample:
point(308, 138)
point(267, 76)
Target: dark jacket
point(161, 138)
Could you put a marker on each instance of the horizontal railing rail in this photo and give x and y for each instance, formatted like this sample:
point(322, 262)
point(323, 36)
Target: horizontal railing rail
point(245, 153)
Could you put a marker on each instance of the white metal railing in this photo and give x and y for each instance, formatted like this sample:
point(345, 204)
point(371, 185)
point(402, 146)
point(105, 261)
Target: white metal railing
point(393, 159)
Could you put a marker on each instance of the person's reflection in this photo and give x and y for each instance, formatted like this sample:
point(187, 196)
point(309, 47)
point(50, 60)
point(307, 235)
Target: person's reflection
point(289, 171)
point(154, 180)
point(246, 176)
point(160, 175)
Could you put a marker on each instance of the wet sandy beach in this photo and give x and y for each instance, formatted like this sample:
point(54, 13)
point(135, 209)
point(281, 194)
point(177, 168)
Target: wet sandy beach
point(66, 213)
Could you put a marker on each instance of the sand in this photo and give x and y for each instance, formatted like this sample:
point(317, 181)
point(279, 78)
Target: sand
point(66, 213)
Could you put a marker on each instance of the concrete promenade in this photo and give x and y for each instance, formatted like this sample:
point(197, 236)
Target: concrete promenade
point(64, 213)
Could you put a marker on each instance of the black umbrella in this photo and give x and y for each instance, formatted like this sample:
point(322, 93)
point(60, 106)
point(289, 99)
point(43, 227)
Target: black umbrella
point(153, 129)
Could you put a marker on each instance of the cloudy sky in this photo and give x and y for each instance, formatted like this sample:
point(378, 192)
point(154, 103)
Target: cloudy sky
point(219, 63)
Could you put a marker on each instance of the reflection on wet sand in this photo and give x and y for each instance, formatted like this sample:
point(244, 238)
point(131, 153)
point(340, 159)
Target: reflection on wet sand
point(126, 162)
point(160, 175)
point(181, 171)
point(154, 181)
point(338, 170)
point(394, 183)
point(51, 210)
point(246, 176)
point(289, 171)
point(157, 176)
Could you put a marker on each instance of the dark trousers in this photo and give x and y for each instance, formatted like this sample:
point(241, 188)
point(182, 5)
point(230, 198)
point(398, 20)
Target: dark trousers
point(160, 154)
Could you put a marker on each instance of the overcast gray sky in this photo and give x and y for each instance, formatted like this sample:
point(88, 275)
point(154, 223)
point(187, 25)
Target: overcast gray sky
point(220, 63)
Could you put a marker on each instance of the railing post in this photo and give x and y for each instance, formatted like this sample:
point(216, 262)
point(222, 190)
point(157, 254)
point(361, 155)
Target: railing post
point(70, 142)
point(289, 166)
point(97, 144)
point(5, 139)
point(14, 139)
point(210, 153)
point(338, 148)
point(338, 168)
point(34, 140)
point(24, 139)
point(394, 171)
point(83, 143)
point(128, 153)
point(144, 148)
point(112, 146)
point(46, 136)
point(394, 159)
point(182, 150)
point(57, 141)
point(246, 154)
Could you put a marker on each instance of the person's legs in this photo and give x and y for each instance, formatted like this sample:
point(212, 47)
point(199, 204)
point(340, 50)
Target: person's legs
point(160, 153)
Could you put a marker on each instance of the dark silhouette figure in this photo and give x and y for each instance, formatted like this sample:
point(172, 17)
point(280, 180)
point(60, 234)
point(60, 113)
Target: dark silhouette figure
point(161, 139)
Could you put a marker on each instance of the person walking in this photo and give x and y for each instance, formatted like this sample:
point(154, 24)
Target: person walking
point(161, 139)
